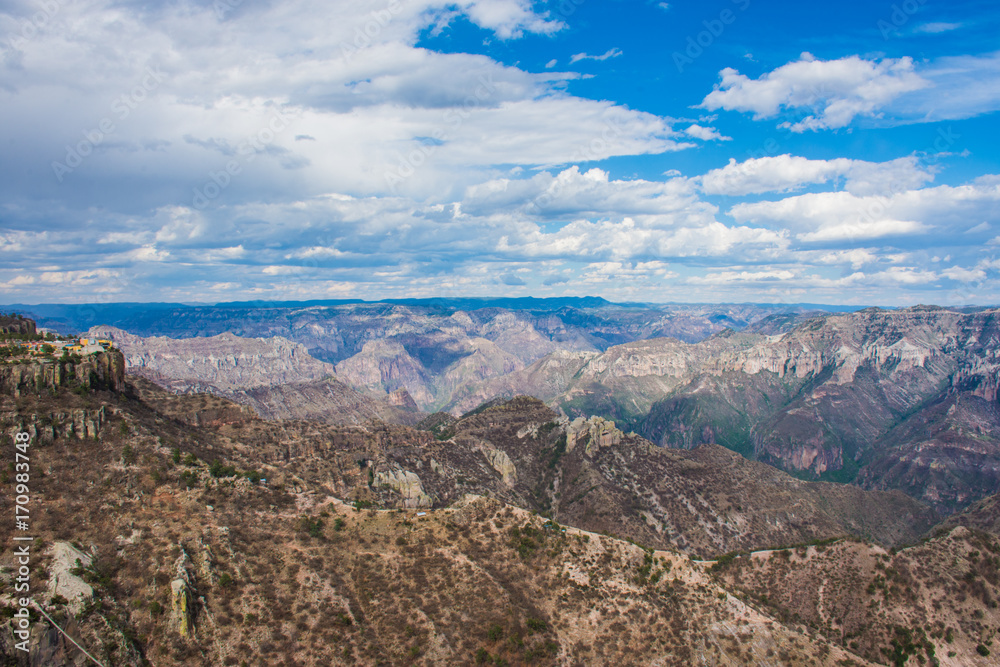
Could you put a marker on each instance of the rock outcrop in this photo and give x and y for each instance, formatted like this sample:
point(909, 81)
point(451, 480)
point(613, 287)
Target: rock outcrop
point(62, 581)
point(500, 461)
point(275, 377)
point(594, 433)
point(17, 325)
point(406, 484)
point(101, 370)
point(182, 597)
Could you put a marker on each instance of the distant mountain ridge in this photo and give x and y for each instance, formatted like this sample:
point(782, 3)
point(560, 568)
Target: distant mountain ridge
point(895, 399)
point(435, 350)
point(274, 376)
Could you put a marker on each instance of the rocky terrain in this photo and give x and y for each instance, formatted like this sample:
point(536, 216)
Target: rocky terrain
point(891, 399)
point(206, 535)
point(274, 376)
point(15, 324)
point(886, 399)
point(102, 370)
point(438, 350)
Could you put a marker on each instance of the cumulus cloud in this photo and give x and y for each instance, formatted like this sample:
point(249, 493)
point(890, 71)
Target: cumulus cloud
point(833, 92)
point(340, 99)
point(705, 133)
point(843, 216)
point(785, 173)
point(336, 156)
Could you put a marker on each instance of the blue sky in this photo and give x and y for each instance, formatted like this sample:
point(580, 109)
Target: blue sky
point(715, 151)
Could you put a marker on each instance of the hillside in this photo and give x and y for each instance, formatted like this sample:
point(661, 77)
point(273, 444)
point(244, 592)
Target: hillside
point(890, 399)
point(199, 561)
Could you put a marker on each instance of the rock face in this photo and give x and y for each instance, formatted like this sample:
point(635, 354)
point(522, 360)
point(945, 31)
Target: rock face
point(593, 433)
point(442, 351)
point(17, 325)
point(182, 598)
point(500, 461)
point(226, 362)
point(275, 377)
point(829, 397)
point(65, 558)
point(101, 370)
point(407, 485)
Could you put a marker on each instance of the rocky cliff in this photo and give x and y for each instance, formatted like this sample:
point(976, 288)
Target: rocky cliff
point(226, 362)
point(17, 325)
point(442, 352)
point(274, 376)
point(101, 370)
point(826, 397)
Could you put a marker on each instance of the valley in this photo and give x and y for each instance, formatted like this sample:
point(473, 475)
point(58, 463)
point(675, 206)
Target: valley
point(234, 502)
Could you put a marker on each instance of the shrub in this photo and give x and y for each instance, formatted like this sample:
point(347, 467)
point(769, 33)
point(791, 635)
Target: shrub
point(128, 454)
point(482, 656)
point(218, 469)
point(311, 525)
point(225, 580)
point(536, 625)
point(982, 650)
point(189, 478)
point(495, 633)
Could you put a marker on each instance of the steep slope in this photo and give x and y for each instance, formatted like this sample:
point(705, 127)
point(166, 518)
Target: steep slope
point(947, 454)
point(824, 399)
point(424, 345)
point(226, 362)
point(187, 563)
point(274, 376)
point(936, 602)
point(586, 473)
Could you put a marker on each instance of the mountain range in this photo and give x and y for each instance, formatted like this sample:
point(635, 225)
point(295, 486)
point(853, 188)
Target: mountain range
point(204, 534)
point(886, 399)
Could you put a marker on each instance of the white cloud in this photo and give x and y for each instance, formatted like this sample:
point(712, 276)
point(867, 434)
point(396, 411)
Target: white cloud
point(936, 27)
point(833, 92)
point(963, 274)
point(831, 216)
point(705, 133)
point(784, 173)
point(610, 53)
point(552, 63)
point(723, 277)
